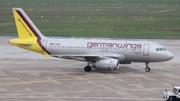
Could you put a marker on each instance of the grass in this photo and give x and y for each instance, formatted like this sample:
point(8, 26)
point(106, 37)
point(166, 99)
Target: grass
point(97, 18)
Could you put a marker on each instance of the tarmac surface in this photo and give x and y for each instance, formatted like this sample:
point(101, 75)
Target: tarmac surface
point(27, 76)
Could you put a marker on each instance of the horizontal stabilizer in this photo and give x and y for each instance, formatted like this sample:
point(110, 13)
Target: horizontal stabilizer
point(19, 42)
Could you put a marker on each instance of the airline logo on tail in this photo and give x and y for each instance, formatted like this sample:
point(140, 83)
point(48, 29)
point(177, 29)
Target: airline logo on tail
point(27, 30)
point(29, 36)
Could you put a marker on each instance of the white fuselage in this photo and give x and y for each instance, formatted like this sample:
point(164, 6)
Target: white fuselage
point(102, 54)
point(134, 51)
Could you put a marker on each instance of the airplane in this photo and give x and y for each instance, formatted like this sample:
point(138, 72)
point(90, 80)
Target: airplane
point(98, 53)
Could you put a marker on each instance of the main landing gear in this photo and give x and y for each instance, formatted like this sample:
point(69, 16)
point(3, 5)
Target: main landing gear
point(147, 69)
point(88, 68)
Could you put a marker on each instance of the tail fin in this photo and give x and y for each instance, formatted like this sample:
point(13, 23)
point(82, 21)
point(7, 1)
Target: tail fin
point(25, 27)
point(30, 37)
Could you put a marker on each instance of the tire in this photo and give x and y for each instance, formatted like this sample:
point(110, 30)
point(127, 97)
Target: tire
point(172, 98)
point(147, 69)
point(87, 68)
point(177, 99)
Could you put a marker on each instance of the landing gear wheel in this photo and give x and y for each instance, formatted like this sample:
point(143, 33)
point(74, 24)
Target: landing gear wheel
point(171, 98)
point(147, 69)
point(87, 68)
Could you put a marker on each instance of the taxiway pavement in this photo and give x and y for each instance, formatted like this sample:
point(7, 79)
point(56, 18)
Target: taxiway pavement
point(27, 76)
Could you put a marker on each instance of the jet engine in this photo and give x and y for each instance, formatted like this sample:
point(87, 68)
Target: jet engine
point(108, 63)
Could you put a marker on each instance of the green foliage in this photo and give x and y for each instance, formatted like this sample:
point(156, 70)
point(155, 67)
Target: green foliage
point(97, 18)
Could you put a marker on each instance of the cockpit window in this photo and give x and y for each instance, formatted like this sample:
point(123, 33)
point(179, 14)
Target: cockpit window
point(160, 49)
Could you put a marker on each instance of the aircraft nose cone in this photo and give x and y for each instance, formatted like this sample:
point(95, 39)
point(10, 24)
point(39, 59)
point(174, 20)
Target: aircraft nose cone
point(170, 56)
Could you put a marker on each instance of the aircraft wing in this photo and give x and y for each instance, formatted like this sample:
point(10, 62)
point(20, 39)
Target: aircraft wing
point(90, 57)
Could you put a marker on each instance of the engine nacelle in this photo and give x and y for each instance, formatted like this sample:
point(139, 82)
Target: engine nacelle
point(108, 63)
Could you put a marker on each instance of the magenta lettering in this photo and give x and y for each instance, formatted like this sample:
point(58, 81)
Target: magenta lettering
point(114, 45)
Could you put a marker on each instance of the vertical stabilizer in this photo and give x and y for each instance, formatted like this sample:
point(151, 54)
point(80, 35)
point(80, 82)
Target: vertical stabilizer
point(25, 27)
point(30, 37)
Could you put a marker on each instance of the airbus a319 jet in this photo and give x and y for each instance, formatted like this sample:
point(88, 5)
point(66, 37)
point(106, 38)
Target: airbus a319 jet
point(101, 54)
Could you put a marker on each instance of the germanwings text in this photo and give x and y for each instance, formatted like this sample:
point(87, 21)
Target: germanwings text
point(114, 45)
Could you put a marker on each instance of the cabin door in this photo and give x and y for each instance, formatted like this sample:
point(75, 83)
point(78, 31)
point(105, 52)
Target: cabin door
point(146, 50)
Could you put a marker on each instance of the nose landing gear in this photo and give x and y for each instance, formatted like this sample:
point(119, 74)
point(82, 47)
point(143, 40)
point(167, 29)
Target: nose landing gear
point(147, 69)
